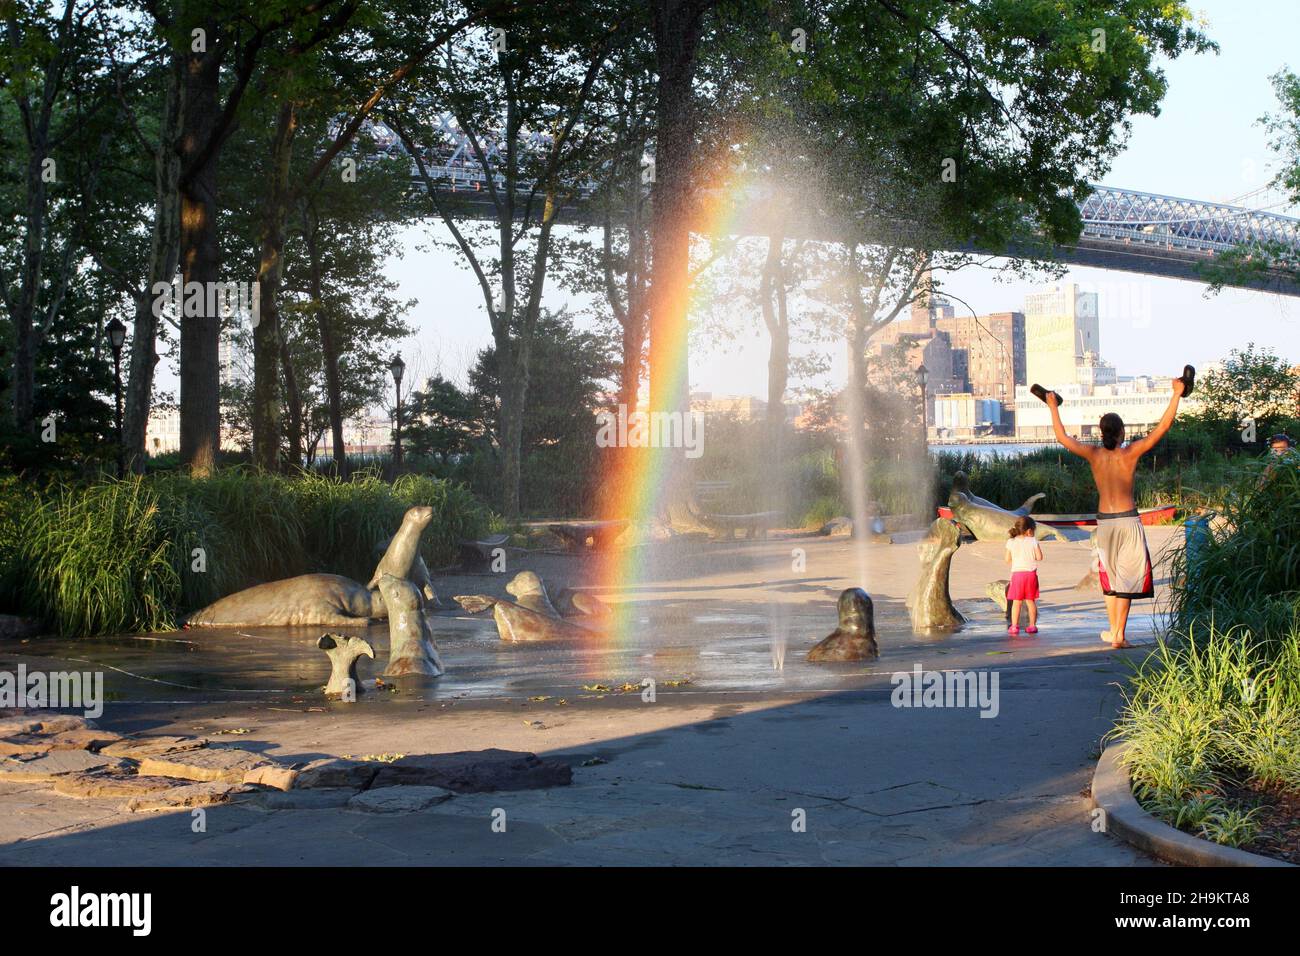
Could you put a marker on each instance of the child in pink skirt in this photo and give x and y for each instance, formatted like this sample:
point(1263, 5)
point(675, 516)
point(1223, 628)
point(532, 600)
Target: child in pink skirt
point(1023, 554)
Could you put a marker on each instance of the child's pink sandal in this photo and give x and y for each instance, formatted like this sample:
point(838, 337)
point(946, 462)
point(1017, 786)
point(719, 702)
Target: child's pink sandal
point(1013, 631)
point(1031, 629)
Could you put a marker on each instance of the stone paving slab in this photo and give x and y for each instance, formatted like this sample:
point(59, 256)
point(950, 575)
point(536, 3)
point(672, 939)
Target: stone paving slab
point(205, 765)
point(44, 768)
point(398, 799)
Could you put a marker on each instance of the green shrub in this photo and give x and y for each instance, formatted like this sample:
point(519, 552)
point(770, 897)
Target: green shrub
point(1211, 706)
point(121, 555)
point(1247, 572)
point(96, 560)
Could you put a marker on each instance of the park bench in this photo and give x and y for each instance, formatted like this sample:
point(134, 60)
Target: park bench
point(754, 525)
point(711, 491)
point(478, 555)
point(576, 534)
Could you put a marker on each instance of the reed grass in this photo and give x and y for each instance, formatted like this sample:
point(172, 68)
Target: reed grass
point(1206, 707)
point(131, 555)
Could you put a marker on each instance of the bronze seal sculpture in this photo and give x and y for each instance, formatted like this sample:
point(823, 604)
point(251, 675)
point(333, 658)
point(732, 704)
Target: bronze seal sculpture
point(929, 604)
point(855, 638)
point(518, 624)
point(328, 600)
point(411, 647)
point(528, 591)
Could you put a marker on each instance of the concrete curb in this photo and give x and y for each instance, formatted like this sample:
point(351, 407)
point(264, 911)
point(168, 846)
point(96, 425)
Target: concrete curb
point(1112, 792)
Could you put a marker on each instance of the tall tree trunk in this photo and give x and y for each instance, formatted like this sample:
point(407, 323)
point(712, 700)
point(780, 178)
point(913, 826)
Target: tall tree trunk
point(266, 334)
point(25, 331)
point(328, 345)
point(36, 123)
point(293, 400)
point(677, 27)
point(138, 394)
point(513, 396)
point(200, 259)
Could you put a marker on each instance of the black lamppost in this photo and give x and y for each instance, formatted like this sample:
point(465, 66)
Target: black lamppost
point(923, 376)
point(397, 367)
point(117, 338)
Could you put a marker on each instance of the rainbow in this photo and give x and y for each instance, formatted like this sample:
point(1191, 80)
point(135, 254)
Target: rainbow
point(637, 482)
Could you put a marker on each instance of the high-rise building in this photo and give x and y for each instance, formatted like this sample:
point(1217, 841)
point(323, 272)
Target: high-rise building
point(992, 350)
point(1061, 328)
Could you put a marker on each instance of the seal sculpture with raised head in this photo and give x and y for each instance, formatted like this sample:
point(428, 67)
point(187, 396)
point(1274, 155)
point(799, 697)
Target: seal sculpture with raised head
point(403, 547)
point(419, 576)
point(528, 591)
point(929, 603)
point(326, 600)
point(411, 647)
point(855, 638)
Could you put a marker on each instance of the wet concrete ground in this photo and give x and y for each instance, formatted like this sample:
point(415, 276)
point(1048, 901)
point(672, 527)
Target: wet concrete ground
point(713, 771)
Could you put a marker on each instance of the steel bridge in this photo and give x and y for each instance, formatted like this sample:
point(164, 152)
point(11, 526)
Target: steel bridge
point(1123, 229)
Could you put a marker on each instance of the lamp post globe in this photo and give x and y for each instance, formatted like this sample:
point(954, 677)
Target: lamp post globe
point(116, 333)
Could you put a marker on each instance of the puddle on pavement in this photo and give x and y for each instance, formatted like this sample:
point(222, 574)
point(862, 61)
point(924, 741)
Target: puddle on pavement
point(711, 648)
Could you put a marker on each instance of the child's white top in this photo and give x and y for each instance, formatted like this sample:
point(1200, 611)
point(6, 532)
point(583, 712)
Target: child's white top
point(1022, 553)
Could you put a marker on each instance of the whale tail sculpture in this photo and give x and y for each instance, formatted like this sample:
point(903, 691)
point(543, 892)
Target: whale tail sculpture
point(1030, 503)
point(343, 653)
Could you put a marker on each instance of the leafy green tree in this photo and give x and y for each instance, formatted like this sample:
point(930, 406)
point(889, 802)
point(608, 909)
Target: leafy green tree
point(558, 429)
point(1251, 383)
point(444, 422)
point(54, 134)
point(521, 98)
point(1269, 263)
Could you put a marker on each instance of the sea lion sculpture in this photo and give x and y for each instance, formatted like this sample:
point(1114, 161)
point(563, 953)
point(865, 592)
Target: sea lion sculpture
point(961, 482)
point(343, 653)
point(988, 522)
point(855, 638)
point(419, 576)
point(571, 603)
point(404, 549)
point(324, 600)
point(518, 624)
point(528, 591)
point(411, 647)
point(929, 604)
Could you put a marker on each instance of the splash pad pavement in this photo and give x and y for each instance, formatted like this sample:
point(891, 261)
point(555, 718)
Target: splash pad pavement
point(743, 753)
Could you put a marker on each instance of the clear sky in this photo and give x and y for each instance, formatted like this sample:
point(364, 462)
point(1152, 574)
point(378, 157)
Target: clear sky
point(1205, 144)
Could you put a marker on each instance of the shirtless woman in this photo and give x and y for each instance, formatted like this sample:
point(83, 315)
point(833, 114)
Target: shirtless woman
point(1121, 542)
